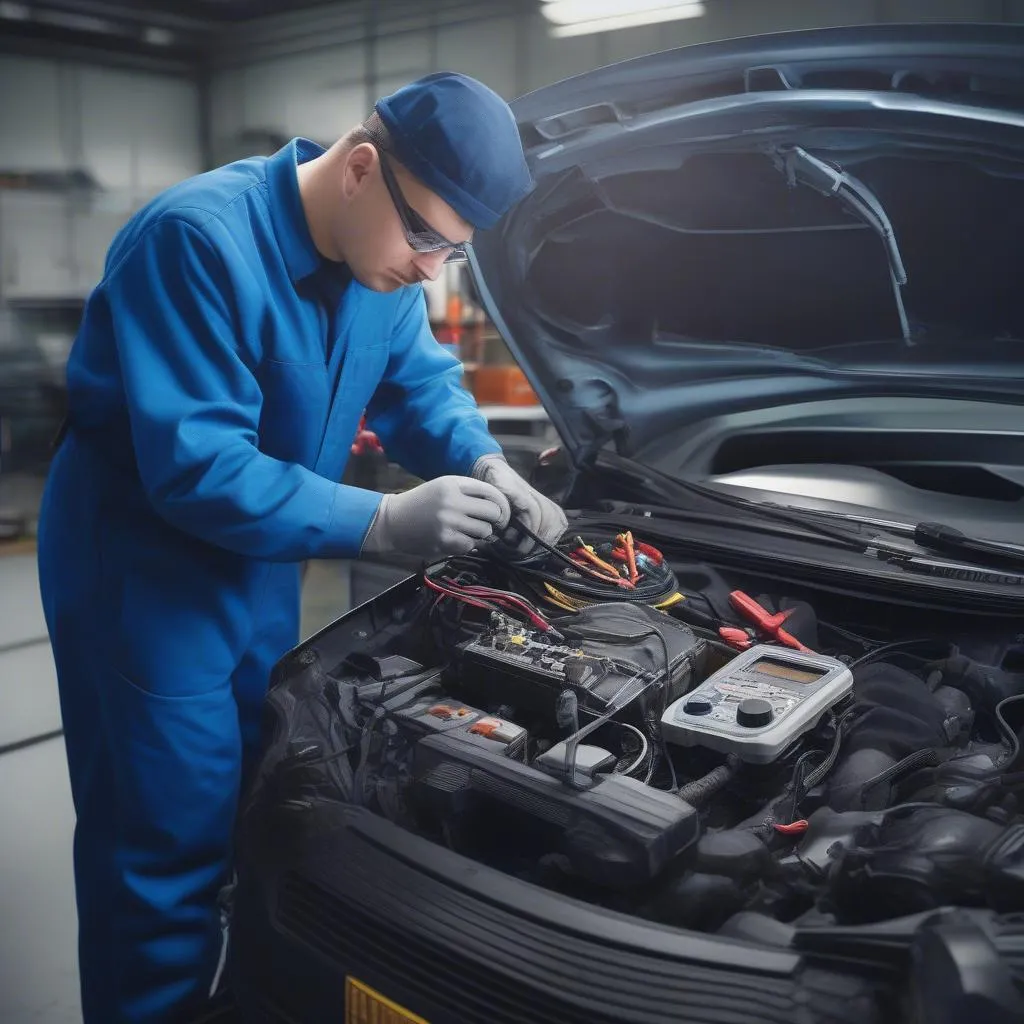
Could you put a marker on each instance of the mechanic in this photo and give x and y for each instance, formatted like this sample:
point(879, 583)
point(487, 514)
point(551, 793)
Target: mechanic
point(246, 319)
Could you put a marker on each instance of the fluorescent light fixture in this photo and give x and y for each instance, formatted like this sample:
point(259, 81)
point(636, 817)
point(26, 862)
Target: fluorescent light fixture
point(582, 17)
point(76, 22)
point(14, 12)
point(156, 36)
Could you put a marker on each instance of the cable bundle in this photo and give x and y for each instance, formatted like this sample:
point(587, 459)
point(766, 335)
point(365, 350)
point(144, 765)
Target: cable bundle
point(569, 576)
point(486, 598)
point(577, 573)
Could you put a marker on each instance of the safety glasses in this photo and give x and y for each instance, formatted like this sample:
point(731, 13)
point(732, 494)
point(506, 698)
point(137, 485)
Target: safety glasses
point(418, 233)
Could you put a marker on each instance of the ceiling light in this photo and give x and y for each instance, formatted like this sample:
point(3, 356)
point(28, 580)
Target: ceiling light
point(75, 22)
point(156, 36)
point(582, 17)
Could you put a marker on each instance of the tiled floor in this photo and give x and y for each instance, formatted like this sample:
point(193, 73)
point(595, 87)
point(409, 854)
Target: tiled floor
point(38, 973)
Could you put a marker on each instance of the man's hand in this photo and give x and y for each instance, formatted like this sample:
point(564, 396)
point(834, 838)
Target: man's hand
point(537, 513)
point(447, 516)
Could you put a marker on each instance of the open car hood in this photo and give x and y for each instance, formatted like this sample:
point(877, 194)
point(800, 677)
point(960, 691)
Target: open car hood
point(758, 222)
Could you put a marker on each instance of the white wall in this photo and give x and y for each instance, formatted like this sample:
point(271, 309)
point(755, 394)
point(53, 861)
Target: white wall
point(310, 73)
point(133, 130)
point(318, 95)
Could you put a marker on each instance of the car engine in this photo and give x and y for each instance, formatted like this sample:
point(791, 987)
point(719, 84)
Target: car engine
point(580, 719)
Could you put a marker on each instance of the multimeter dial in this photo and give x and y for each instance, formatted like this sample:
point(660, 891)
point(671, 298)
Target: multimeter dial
point(754, 712)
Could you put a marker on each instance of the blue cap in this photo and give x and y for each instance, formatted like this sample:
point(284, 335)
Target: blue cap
point(460, 139)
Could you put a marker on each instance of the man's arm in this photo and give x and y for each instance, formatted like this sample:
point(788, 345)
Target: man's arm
point(194, 405)
point(430, 424)
point(426, 420)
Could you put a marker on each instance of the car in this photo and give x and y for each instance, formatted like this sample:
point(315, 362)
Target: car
point(745, 745)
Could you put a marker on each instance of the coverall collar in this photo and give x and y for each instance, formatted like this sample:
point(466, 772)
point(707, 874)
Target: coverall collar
point(300, 254)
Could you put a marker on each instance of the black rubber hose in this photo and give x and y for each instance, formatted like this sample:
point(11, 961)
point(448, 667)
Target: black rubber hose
point(918, 759)
point(801, 785)
point(842, 725)
point(701, 790)
point(1012, 755)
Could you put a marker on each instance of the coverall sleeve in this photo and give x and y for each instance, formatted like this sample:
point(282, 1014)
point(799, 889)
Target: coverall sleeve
point(426, 420)
point(194, 403)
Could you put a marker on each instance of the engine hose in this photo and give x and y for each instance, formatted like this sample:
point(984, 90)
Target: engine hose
point(701, 790)
point(828, 764)
point(1012, 754)
point(800, 785)
point(918, 759)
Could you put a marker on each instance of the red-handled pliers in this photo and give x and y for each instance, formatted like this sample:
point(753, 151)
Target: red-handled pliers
point(763, 621)
point(738, 638)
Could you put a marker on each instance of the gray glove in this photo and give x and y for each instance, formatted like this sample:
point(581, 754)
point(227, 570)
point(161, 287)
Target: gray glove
point(447, 516)
point(539, 514)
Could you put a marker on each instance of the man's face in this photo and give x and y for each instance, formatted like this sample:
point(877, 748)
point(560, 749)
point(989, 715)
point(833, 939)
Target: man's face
point(377, 220)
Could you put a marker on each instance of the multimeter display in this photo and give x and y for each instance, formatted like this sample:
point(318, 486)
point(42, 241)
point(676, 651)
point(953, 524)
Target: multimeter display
point(791, 673)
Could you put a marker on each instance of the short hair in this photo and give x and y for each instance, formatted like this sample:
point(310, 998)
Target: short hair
point(372, 130)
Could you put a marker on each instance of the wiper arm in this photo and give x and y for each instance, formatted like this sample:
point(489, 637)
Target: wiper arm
point(672, 489)
point(947, 540)
point(851, 535)
point(898, 556)
point(789, 527)
point(950, 541)
point(801, 168)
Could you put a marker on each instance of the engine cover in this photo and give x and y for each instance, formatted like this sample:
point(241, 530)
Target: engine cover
point(616, 831)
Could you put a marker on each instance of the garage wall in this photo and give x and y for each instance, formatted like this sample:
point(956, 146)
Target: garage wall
point(132, 130)
point(313, 73)
point(134, 133)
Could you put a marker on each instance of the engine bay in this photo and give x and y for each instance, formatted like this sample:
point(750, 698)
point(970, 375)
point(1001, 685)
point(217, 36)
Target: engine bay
point(599, 720)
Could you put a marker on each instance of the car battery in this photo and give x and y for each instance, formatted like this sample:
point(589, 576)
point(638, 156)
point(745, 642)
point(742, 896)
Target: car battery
point(433, 716)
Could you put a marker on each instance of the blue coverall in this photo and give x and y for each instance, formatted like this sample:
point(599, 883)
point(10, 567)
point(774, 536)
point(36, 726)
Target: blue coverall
point(214, 390)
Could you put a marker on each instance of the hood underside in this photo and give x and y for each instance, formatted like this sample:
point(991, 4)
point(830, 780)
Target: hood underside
point(744, 224)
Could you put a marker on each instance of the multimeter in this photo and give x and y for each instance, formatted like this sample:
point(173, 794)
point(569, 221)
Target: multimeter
point(759, 703)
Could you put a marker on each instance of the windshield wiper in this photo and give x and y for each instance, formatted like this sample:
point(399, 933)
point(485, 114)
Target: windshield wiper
point(801, 168)
point(852, 535)
point(950, 541)
point(673, 489)
point(899, 556)
point(947, 540)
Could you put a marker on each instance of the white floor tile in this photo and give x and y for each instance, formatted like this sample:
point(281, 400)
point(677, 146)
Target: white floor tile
point(38, 954)
point(21, 611)
point(29, 705)
point(38, 923)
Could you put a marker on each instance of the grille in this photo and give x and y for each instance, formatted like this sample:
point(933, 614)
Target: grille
point(447, 777)
point(516, 796)
point(351, 936)
point(454, 967)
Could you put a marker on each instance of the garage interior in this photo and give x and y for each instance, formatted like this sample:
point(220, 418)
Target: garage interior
point(108, 102)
